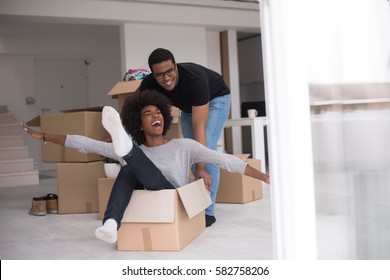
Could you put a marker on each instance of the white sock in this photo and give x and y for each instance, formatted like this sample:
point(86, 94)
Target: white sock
point(108, 231)
point(112, 123)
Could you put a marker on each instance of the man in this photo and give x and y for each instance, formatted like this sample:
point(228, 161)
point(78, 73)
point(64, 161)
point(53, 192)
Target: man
point(204, 100)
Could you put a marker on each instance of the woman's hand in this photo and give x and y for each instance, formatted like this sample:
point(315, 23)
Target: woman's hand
point(265, 178)
point(34, 134)
point(255, 173)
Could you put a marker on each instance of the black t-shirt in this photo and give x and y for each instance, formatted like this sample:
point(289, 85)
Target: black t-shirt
point(197, 86)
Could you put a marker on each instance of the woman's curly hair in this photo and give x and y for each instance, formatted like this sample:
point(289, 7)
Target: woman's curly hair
point(132, 108)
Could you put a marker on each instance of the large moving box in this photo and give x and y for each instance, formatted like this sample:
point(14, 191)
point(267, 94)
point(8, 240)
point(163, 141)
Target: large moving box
point(121, 90)
point(86, 121)
point(77, 187)
point(237, 188)
point(165, 220)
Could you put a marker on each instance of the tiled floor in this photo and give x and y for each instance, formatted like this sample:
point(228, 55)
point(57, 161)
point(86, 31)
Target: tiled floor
point(242, 232)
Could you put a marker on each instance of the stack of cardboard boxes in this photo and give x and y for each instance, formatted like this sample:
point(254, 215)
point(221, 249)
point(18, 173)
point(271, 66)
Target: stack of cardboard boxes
point(77, 173)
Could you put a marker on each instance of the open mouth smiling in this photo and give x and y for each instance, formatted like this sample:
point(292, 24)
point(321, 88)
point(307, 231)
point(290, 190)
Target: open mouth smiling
point(156, 124)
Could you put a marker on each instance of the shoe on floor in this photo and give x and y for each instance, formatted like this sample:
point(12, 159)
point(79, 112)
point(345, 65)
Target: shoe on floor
point(52, 203)
point(38, 207)
point(210, 220)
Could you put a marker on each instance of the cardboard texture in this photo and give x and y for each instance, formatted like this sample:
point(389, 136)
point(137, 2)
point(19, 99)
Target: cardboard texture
point(77, 187)
point(104, 190)
point(194, 197)
point(237, 188)
point(174, 131)
point(165, 220)
point(122, 90)
point(175, 112)
point(84, 122)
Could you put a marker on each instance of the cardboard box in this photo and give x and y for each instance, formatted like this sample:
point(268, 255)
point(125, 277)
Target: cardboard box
point(77, 187)
point(104, 190)
point(85, 121)
point(175, 112)
point(165, 220)
point(174, 131)
point(237, 188)
point(124, 89)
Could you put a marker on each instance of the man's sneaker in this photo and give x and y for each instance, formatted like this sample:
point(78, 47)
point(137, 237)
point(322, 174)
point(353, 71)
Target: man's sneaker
point(52, 203)
point(38, 207)
point(210, 220)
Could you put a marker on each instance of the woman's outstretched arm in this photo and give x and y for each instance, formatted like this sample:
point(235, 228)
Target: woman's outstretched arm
point(255, 173)
point(46, 137)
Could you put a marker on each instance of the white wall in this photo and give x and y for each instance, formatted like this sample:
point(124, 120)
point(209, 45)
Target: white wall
point(213, 51)
point(22, 43)
point(28, 41)
point(186, 43)
point(17, 82)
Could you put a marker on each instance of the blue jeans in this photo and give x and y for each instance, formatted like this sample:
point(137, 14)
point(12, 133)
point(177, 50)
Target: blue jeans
point(218, 114)
point(139, 173)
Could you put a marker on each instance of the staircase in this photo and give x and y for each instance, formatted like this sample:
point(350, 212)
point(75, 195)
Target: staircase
point(16, 168)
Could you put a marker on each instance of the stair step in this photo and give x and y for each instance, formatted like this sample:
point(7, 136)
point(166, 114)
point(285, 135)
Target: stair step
point(11, 141)
point(19, 179)
point(16, 165)
point(9, 129)
point(14, 153)
point(7, 118)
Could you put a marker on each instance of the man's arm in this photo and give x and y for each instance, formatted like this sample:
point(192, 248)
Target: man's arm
point(199, 120)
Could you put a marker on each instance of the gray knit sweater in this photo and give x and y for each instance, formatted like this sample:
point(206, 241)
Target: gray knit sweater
point(174, 158)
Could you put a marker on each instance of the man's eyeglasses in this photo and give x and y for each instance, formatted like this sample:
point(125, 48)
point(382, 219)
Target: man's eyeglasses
point(160, 76)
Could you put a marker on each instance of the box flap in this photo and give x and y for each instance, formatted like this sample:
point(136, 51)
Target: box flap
point(194, 197)
point(151, 207)
point(243, 156)
point(37, 120)
point(124, 87)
